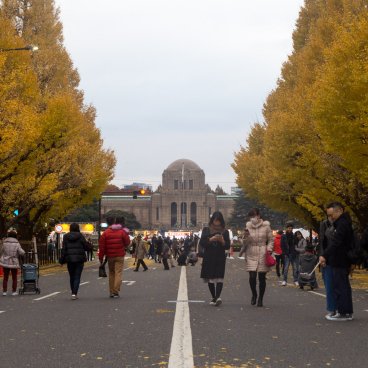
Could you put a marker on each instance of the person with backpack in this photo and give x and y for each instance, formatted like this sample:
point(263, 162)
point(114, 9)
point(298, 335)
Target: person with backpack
point(73, 254)
point(337, 256)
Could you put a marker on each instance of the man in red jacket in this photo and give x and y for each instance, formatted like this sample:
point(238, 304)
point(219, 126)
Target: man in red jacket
point(112, 244)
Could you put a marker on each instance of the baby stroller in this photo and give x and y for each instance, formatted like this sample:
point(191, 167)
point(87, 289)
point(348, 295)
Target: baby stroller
point(307, 267)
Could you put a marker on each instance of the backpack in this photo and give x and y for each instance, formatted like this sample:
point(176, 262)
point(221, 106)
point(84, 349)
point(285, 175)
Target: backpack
point(355, 252)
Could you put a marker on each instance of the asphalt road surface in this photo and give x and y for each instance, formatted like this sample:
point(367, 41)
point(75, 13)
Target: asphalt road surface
point(163, 319)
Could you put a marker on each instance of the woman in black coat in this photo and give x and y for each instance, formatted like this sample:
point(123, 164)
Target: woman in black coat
point(214, 241)
point(73, 254)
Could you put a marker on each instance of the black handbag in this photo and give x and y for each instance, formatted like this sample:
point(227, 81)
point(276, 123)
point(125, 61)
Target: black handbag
point(102, 271)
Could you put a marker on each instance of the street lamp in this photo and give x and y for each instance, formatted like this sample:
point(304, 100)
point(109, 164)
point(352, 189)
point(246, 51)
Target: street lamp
point(27, 48)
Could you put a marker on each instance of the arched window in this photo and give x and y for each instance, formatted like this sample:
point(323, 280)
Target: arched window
point(174, 214)
point(193, 213)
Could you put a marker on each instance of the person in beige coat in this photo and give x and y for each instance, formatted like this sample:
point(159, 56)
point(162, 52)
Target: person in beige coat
point(260, 241)
point(9, 260)
point(140, 253)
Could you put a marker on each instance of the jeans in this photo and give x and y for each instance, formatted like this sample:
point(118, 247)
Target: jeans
point(342, 290)
point(279, 261)
point(116, 265)
point(330, 297)
point(294, 261)
point(75, 272)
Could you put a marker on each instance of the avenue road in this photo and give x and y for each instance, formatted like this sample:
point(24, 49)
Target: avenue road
point(163, 319)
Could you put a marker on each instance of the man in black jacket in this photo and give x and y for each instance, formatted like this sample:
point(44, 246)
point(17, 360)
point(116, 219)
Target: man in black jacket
point(337, 255)
point(290, 254)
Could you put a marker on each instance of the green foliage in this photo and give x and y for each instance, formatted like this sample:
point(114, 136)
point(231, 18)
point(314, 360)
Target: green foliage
point(244, 204)
point(130, 220)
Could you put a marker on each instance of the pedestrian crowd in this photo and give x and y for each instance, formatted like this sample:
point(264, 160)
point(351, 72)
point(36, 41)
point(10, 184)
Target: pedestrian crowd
point(334, 251)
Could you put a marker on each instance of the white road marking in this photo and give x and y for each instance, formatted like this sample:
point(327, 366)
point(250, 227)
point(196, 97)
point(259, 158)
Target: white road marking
point(2, 312)
point(181, 351)
point(49, 274)
point(84, 283)
point(314, 292)
point(127, 268)
point(48, 296)
point(128, 283)
point(366, 310)
point(186, 301)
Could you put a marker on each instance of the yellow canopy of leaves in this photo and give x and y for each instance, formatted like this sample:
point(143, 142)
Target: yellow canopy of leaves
point(314, 140)
point(52, 158)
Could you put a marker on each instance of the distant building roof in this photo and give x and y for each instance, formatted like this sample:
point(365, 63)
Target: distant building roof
point(188, 164)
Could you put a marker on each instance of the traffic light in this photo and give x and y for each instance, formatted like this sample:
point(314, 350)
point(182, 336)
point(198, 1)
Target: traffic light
point(135, 194)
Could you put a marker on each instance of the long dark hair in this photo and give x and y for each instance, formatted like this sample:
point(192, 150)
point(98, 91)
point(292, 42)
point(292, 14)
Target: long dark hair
point(74, 227)
point(217, 215)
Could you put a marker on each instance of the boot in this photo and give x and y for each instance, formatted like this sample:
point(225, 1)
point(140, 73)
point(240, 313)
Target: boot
point(253, 287)
point(254, 299)
point(262, 289)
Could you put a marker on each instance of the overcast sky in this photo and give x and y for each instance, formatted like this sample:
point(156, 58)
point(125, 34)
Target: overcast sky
point(177, 79)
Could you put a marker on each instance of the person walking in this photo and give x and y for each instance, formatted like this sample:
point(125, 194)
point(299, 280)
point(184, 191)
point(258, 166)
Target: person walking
point(277, 250)
point(9, 260)
point(288, 242)
point(166, 253)
point(73, 253)
point(215, 240)
point(301, 243)
point(113, 243)
point(140, 253)
point(261, 241)
point(336, 254)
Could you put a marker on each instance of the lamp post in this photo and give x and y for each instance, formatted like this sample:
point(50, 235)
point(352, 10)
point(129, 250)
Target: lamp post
point(25, 48)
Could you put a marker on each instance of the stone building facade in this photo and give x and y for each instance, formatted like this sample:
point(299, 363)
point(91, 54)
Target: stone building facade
point(183, 201)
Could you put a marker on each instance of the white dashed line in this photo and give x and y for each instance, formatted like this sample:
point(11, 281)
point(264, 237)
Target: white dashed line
point(128, 283)
point(2, 312)
point(84, 283)
point(314, 292)
point(48, 296)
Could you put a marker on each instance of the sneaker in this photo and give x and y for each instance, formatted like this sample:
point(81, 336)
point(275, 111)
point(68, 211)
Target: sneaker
point(14, 293)
point(340, 317)
point(5, 293)
point(283, 283)
point(329, 314)
point(135, 270)
point(74, 297)
point(146, 269)
point(213, 301)
point(115, 296)
point(218, 302)
point(296, 283)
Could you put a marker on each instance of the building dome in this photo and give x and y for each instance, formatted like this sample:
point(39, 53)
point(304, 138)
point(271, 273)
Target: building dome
point(188, 165)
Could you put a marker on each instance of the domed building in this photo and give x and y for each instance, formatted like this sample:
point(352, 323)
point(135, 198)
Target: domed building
point(183, 201)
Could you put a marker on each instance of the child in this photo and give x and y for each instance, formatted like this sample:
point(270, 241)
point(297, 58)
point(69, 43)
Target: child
point(307, 262)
